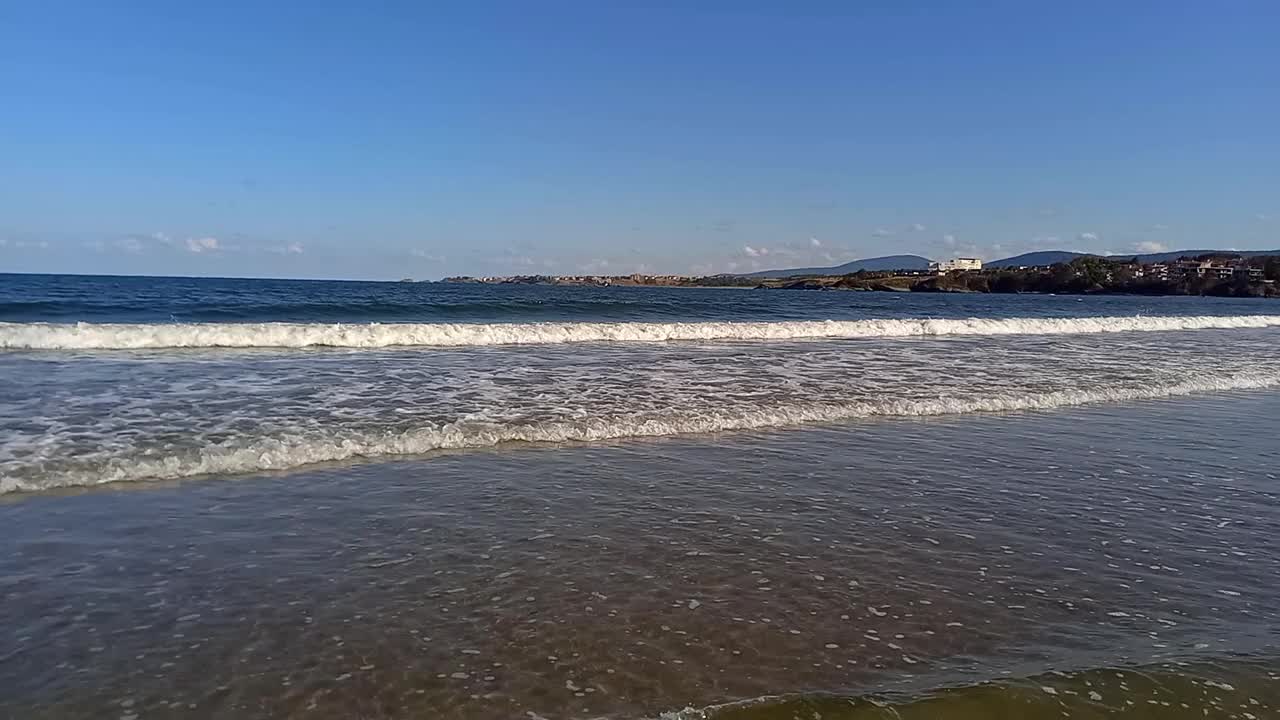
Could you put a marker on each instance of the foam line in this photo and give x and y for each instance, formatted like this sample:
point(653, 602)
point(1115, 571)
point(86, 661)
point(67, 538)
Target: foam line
point(269, 453)
point(119, 336)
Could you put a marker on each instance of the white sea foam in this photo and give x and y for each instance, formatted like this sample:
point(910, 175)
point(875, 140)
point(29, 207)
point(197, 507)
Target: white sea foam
point(113, 336)
point(342, 444)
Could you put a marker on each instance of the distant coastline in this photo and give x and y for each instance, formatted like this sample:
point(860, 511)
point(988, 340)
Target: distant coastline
point(1220, 275)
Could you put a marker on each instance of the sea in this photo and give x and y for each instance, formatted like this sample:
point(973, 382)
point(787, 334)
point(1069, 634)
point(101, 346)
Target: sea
point(227, 498)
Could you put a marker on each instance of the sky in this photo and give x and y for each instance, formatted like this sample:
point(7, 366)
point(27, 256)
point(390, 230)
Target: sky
point(383, 140)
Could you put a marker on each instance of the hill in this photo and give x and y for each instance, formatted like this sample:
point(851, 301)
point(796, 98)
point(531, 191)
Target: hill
point(1170, 256)
point(876, 264)
point(1039, 258)
point(1044, 257)
point(1052, 257)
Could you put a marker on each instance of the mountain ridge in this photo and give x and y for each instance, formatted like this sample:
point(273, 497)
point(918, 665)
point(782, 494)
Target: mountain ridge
point(1040, 257)
point(875, 264)
point(1050, 257)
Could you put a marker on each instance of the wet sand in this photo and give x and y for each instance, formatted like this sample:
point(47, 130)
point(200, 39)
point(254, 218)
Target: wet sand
point(887, 559)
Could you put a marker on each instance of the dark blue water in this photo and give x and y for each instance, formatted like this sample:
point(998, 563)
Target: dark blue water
point(80, 298)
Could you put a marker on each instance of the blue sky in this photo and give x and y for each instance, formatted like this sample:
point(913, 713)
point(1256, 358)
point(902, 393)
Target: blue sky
point(394, 139)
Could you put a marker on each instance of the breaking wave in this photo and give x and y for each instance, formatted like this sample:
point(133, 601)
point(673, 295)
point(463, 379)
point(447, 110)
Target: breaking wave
point(282, 453)
point(111, 336)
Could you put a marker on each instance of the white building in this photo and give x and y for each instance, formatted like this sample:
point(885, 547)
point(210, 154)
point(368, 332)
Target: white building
point(946, 266)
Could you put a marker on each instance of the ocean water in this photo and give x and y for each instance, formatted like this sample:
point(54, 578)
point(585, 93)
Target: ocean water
point(230, 498)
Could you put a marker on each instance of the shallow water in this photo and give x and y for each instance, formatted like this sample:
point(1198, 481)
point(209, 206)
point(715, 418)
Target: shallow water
point(1164, 692)
point(77, 419)
point(888, 559)
point(275, 499)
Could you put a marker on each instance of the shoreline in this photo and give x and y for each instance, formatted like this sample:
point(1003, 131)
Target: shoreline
point(1205, 275)
point(833, 288)
point(483, 585)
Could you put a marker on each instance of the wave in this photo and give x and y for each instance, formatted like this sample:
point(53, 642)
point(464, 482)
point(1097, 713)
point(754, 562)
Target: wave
point(206, 310)
point(1181, 691)
point(129, 336)
point(284, 453)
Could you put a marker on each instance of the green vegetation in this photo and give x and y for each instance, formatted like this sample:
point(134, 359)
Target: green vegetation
point(1225, 276)
point(722, 281)
point(1083, 275)
point(1104, 275)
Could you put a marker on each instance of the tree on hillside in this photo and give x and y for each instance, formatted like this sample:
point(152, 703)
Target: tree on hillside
point(1059, 277)
point(1091, 272)
point(1271, 270)
point(1122, 274)
point(1008, 283)
point(1197, 285)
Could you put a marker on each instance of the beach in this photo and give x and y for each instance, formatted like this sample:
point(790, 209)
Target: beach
point(635, 578)
point(1075, 518)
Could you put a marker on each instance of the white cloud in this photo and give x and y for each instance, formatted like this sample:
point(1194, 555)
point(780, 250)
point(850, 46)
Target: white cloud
point(1159, 227)
point(144, 242)
point(755, 252)
point(295, 248)
point(815, 242)
point(882, 232)
point(34, 244)
point(1262, 217)
point(954, 246)
point(515, 256)
point(423, 254)
point(204, 244)
point(1087, 237)
point(133, 244)
point(1151, 246)
point(917, 227)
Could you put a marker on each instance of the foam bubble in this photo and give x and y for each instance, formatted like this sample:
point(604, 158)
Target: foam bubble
point(120, 336)
point(280, 453)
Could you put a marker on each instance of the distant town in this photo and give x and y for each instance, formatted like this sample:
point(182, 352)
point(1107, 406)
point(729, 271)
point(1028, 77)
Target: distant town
point(1215, 273)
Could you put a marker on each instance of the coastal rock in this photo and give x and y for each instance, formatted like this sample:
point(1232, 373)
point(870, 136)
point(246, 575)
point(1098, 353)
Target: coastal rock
point(804, 285)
